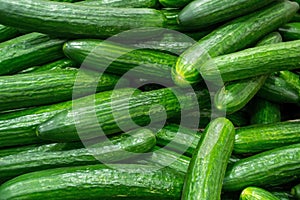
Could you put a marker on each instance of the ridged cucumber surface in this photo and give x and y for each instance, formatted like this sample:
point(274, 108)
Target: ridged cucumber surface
point(174, 3)
point(255, 193)
point(295, 191)
point(121, 3)
point(76, 20)
point(290, 31)
point(7, 33)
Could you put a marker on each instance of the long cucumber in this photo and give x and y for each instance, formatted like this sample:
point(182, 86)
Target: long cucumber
point(7, 33)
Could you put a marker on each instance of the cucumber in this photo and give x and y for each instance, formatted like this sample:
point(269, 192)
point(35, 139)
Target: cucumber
point(264, 112)
point(204, 13)
point(292, 79)
point(28, 50)
point(78, 20)
point(129, 181)
point(233, 36)
point(7, 33)
point(290, 31)
point(18, 128)
point(121, 113)
point(253, 62)
point(117, 148)
point(121, 3)
point(277, 90)
point(235, 95)
point(270, 168)
point(207, 168)
point(255, 193)
point(64, 63)
point(283, 195)
point(174, 3)
point(41, 88)
point(295, 191)
point(256, 138)
point(97, 55)
point(296, 18)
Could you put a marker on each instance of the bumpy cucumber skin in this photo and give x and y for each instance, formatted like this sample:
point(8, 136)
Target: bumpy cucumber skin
point(130, 181)
point(76, 20)
point(121, 3)
point(204, 13)
point(229, 38)
point(7, 33)
point(264, 112)
point(253, 62)
point(121, 147)
point(18, 128)
point(255, 193)
point(207, 168)
point(292, 79)
point(34, 89)
point(62, 126)
point(28, 50)
point(270, 168)
point(174, 3)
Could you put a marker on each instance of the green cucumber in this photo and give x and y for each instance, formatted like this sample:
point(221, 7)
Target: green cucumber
point(18, 128)
point(255, 193)
point(28, 50)
point(253, 62)
point(235, 95)
point(277, 90)
point(174, 3)
point(208, 165)
point(78, 20)
point(204, 13)
point(270, 168)
point(117, 148)
point(264, 112)
point(7, 33)
point(115, 181)
point(64, 63)
point(127, 111)
point(98, 55)
point(283, 195)
point(69, 1)
point(296, 18)
point(41, 88)
point(120, 3)
point(295, 191)
point(172, 22)
point(292, 79)
point(290, 31)
point(256, 138)
point(233, 36)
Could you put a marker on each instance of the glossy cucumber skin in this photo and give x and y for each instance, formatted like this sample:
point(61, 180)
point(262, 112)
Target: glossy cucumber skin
point(121, 111)
point(264, 112)
point(204, 13)
point(233, 36)
point(270, 168)
point(7, 33)
point(98, 55)
point(253, 62)
point(292, 79)
point(174, 3)
point(28, 50)
point(114, 181)
point(208, 165)
point(290, 31)
point(18, 128)
point(78, 20)
point(255, 193)
point(121, 3)
point(295, 191)
point(277, 90)
point(117, 148)
point(41, 88)
point(257, 138)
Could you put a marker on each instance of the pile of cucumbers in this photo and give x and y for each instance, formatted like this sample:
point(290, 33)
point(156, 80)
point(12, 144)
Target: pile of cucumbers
point(149, 99)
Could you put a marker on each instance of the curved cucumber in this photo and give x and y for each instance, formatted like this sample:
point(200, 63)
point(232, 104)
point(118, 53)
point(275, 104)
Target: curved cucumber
point(270, 168)
point(121, 3)
point(98, 55)
point(253, 62)
point(255, 193)
point(28, 50)
point(18, 128)
point(204, 13)
point(78, 20)
point(207, 168)
point(117, 148)
point(120, 113)
point(7, 33)
point(34, 89)
point(296, 191)
point(174, 3)
point(231, 37)
point(290, 31)
point(292, 79)
point(114, 181)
